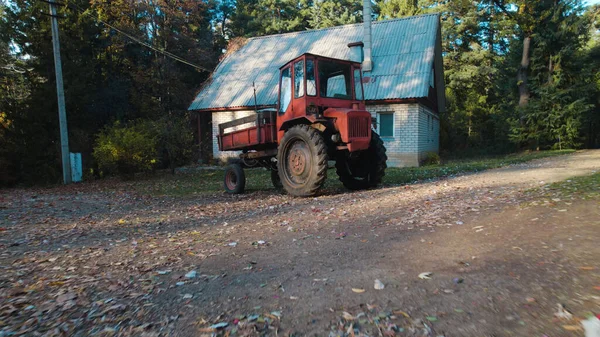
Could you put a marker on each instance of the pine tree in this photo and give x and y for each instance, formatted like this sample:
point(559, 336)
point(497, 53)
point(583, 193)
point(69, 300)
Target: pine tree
point(391, 9)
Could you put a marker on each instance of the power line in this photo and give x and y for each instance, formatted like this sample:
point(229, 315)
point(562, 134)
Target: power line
point(133, 38)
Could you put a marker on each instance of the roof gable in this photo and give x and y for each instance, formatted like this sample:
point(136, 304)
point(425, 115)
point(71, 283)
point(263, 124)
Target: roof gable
point(403, 53)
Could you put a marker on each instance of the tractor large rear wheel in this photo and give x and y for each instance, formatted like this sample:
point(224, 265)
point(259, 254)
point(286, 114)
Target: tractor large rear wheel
point(302, 161)
point(364, 170)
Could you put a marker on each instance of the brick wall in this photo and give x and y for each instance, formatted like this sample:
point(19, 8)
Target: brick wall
point(222, 117)
point(402, 148)
point(429, 132)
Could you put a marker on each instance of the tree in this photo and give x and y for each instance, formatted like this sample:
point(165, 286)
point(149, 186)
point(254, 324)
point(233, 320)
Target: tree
point(391, 9)
point(329, 13)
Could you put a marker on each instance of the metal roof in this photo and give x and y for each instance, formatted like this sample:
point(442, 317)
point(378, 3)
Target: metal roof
point(403, 53)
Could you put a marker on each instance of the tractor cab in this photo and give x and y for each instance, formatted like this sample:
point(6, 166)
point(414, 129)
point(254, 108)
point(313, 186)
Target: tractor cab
point(318, 89)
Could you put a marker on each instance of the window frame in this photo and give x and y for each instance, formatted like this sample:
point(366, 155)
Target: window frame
point(289, 68)
point(314, 76)
point(392, 113)
point(303, 82)
point(362, 89)
point(349, 82)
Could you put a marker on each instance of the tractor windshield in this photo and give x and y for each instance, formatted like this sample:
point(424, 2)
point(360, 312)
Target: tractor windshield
point(335, 80)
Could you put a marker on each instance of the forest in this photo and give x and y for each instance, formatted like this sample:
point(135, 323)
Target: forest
point(520, 75)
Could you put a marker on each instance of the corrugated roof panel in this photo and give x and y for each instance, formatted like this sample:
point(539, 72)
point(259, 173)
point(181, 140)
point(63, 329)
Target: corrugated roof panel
point(403, 53)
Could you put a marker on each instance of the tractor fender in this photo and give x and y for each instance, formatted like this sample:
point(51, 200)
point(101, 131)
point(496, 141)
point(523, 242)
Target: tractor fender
point(308, 120)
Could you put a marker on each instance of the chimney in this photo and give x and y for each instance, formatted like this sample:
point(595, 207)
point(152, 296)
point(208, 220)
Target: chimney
point(356, 51)
point(367, 64)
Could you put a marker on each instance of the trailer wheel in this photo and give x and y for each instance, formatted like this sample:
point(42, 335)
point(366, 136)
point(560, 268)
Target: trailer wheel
point(365, 170)
point(302, 161)
point(235, 179)
point(276, 180)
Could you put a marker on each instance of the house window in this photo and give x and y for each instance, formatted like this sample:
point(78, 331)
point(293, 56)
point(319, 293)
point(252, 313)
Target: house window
point(385, 124)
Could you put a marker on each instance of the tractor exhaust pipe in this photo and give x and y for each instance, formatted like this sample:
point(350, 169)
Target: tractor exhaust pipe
point(367, 64)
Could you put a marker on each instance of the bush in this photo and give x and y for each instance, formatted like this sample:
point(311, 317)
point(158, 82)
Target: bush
point(126, 150)
point(175, 141)
point(431, 158)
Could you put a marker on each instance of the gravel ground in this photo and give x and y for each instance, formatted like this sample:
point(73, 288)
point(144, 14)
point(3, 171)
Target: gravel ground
point(502, 253)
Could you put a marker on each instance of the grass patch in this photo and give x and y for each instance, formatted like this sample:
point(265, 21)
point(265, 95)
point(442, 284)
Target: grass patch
point(396, 176)
point(585, 187)
point(204, 182)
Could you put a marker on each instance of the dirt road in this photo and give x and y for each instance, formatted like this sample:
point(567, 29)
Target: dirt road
point(502, 252)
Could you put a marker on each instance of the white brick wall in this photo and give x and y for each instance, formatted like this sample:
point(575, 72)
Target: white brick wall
point(416, 132)
point(402, 149)
point(429, 132)
point(223, 117)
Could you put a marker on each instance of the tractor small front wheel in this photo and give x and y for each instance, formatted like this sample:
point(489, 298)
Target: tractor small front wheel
point(235, 179)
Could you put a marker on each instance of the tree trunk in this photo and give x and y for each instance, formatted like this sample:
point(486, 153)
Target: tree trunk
point(522, 73)
point(550, 70)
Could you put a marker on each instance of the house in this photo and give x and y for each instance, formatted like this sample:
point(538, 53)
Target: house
point(404, 87)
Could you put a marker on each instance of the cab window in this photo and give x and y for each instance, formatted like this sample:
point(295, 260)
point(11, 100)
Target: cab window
point(335, 80)
point(299, 79)
point(358, 88)
point(285, 95)
point(311, 84)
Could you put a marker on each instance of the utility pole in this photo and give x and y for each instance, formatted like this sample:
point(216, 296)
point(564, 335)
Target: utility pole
point(62, 113)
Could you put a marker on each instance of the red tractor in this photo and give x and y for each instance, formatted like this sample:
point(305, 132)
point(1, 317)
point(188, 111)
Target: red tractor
point(320, 116)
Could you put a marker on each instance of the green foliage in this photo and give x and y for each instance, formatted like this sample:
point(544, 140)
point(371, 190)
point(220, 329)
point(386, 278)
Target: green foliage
point(391, 9)
point(431, 158)
point(126, 150)
point(585, 187)
point(329, 13)
point(175, 141)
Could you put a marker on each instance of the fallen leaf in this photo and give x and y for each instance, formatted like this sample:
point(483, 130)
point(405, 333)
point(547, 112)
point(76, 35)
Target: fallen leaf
point(431, 318)
point(587, 268)
point(562, 313)
point(425, 275)
point(572, 327)
point(400, 312)
point(347, 316)
point(379, 285)
point(219, 325)
point(358, 290)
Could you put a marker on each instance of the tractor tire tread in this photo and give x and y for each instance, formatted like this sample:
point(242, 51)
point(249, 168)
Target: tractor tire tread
point(321, 160)
point(378, 159)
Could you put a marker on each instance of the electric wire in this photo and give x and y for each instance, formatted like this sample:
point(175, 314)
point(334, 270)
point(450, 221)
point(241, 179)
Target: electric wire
point(133, 38)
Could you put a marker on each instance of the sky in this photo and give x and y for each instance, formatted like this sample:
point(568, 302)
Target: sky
point(592, 2)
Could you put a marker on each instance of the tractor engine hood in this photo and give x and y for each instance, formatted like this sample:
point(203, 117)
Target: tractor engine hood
point(354, 126)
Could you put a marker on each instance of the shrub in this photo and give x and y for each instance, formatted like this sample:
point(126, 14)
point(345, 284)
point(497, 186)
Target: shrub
point(431, 158)
point(126, 150)
point(175, 141)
